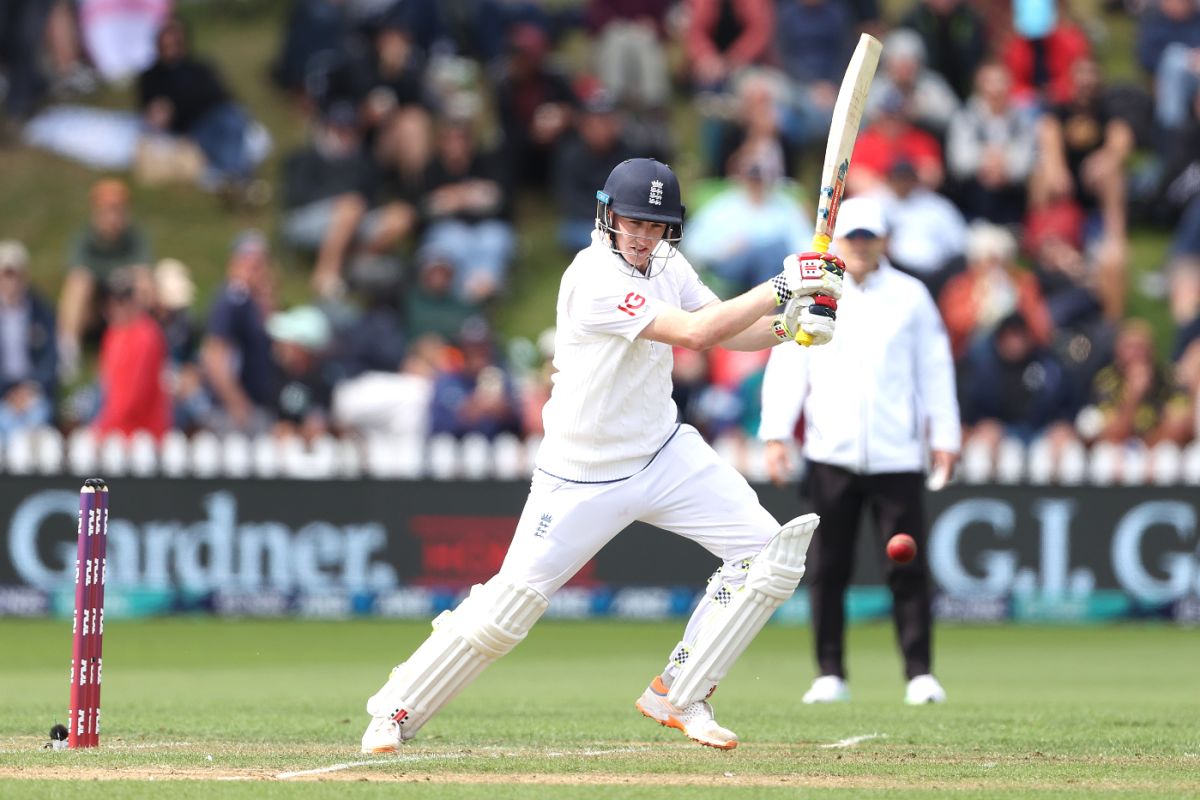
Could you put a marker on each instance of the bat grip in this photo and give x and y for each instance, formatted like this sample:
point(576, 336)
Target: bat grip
point(820, 244)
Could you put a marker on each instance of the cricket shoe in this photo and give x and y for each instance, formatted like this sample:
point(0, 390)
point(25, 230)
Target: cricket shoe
point(382, 736)
point(827, 689)
point(695, 719)
point(924, 689)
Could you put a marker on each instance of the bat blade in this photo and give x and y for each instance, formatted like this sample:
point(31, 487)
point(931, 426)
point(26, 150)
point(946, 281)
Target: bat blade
point(847, 114)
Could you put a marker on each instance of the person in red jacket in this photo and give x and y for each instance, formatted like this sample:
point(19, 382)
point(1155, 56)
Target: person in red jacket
point(1040, 55)
point(133, 360)
point(889, 138)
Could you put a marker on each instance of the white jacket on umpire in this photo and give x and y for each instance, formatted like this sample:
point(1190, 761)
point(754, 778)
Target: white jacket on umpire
point(879, 391)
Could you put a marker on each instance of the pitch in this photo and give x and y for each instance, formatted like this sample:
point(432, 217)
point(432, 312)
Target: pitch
point(250, 709)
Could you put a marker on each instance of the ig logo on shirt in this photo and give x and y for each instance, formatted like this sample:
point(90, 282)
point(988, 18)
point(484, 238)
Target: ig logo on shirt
point(634, 302)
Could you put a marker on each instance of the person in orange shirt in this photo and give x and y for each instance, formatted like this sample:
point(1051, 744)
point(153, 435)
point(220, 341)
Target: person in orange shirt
point(975, 301)
point(133, 360)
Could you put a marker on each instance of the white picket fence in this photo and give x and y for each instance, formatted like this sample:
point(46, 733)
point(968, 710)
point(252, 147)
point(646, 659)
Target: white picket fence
point(206, 455)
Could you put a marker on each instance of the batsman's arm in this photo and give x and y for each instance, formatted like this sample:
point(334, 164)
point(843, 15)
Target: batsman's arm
point(718, 322)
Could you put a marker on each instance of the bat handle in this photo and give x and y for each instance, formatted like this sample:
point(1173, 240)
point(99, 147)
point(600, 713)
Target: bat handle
point(820, 244)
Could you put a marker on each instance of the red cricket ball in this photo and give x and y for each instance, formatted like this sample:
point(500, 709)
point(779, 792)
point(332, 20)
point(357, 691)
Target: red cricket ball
point(901, 548)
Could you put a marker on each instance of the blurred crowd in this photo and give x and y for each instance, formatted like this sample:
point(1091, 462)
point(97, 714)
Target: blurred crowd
point(1011, 171)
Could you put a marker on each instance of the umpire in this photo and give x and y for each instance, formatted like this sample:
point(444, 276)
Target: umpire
point(872, 400)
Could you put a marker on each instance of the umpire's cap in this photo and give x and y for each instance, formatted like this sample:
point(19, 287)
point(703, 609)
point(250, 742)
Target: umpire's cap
point(645, 189)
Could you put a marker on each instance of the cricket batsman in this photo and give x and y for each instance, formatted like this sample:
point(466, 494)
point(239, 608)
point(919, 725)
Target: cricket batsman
point(614, 453)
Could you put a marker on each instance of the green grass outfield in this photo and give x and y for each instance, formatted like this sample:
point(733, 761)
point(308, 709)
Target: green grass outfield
point(230, 709)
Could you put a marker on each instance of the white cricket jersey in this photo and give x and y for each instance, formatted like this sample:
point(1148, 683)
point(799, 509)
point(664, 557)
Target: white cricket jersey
point(610, 409)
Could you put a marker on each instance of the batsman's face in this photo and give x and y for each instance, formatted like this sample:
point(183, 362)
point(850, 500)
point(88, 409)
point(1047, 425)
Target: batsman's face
point(636, 239)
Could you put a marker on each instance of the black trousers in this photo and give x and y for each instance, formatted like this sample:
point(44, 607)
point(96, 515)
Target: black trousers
point(896, 501)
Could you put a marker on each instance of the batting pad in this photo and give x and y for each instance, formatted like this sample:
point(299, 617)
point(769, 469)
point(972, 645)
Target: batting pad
point(773, 576)
point(490, 622)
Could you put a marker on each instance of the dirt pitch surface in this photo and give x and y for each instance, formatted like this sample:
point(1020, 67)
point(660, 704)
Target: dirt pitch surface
point(615, 764)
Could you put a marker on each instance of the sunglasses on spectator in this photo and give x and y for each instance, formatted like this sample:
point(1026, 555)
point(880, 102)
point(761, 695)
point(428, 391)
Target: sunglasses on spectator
point(860, 234)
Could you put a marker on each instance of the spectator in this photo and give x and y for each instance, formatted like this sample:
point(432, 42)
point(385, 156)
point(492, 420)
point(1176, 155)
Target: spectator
point(689, 380)
point(1169, 48)
point(468, 211)
point(1136, 397)
point(928, 234)
point(1170, 199)
point(990, 149)
point(396, 73)
point(630, 50)
point(537, 385)
point(235, 355)
point(1067, 279)
point(133, 362)
point(743, 234)
point(328, 187)
point(1163, 24)
point(185, 96)
point(955, 39)
point(535, 105)
point(761, 96)
point(1042, 51)
point(1184, 298)
point(865, 14)
point(372, 341)
point(431, 306)
point(1187, 372)
point(22, 29)
point(395, 402)
point(109, 242)
point(478, 397)
point(314, 28)
point(724, 37)
point(992, 288)
point(28, 354)
point(581, 166)
point(174, 294)
point(403, 151)
point(476, 30)
point(1015, 388)
point(889, 138)
point(928, 100)
point(1083, 147)
point(727, 399)
point(813, 42)
point(1075, 294)
point(301, 388)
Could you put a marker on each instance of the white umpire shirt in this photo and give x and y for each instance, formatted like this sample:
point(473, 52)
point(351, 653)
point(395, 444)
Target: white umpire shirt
point(610, 410)
point(879, 391)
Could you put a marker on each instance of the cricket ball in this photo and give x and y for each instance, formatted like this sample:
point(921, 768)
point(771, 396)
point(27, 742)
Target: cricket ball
point(901, 548)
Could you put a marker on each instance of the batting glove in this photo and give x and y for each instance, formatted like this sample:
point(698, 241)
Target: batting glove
point(807, 320)
point(807, 274)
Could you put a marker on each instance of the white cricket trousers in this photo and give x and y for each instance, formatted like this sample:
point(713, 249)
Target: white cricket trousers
point(687, 489)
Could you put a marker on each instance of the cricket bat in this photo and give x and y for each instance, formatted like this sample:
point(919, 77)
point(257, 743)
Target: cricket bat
point(843, 129)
